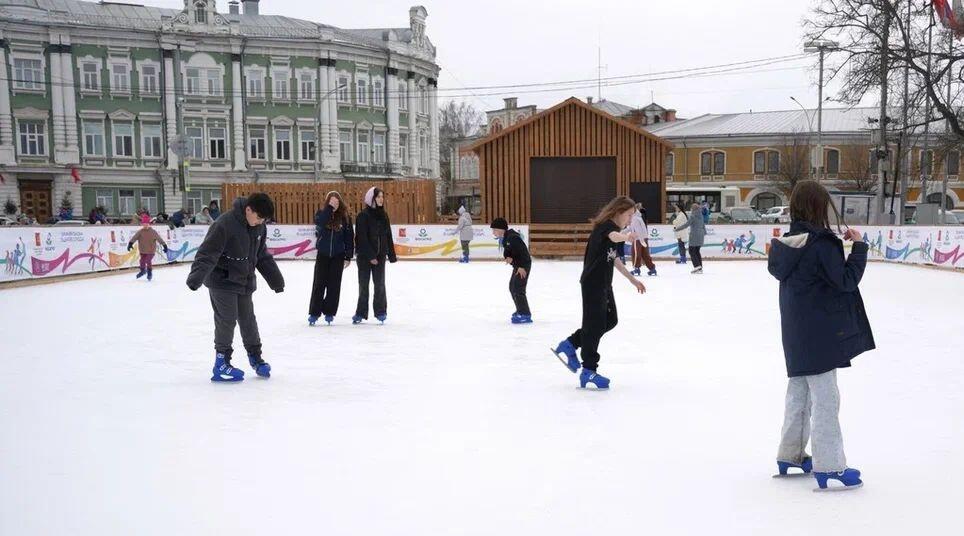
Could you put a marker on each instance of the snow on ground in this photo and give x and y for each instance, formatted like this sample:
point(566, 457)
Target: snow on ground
point(449, 420)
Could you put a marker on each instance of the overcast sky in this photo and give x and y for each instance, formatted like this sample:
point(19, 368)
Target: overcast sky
point(502, 42)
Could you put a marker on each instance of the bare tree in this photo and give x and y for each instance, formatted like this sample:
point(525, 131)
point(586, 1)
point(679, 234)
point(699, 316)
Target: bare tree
point(794, 163)
point(855, 169)
point(457, 121)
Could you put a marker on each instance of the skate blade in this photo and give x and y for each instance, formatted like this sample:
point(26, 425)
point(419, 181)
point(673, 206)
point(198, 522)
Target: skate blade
point(792, 475)
point(837, 488)
point(565, 362)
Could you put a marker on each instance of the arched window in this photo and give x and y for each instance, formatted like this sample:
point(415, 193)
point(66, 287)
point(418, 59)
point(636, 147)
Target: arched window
point(496, 126)
point(712, 163)
point(669, 165)
point(201, 12)
point(831, 162)
point(766, 162)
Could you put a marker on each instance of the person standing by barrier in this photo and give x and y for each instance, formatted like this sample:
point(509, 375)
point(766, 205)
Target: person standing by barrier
point(374, 244)
point(697, 230)
point(598, 304)
point(335, 248)
point(682, 235)
point(641, 244)
point(465, 232)
point(516, 253)
point(213, 209)
point(824, 326)
point(147, 240)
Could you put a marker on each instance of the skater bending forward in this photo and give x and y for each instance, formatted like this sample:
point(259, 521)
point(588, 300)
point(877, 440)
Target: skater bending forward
point(598, 304)
point(516, 254)
point(824, 326)
point(225, 263)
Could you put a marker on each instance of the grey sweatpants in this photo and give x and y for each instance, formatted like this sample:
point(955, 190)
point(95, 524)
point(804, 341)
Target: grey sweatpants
point(232, 309)
point(813, 401)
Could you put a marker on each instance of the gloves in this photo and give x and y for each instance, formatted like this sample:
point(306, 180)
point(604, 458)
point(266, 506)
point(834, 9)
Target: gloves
point(279, 290)
point(192, 285)
point(130, 246)
point(393, 259)
point(165, 249)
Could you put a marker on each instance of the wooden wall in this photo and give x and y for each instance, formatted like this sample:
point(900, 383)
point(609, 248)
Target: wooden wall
point(408, 201)
point(571, 129)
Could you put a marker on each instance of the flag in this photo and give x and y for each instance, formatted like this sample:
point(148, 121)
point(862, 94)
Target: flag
point(949, 16)
point(75, 174)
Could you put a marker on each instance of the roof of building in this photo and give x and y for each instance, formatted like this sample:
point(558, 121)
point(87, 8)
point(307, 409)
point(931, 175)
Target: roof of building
point(140, 17)
point(613, 108)
point(840, 120)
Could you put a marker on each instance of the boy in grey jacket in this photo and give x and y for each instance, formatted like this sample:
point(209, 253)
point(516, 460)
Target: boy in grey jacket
point(465, 231)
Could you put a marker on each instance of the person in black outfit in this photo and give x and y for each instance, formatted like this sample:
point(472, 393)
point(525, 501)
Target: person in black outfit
point(373, 241)
point(235, 246)
point(517, 254)
point(598, 304)
point(335, 248)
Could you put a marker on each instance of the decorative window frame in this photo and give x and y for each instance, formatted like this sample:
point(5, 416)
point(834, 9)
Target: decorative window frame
point(262, 73)
point(713, 176)
point(122, 117)
point(27, 53)
point(767, 172)
point(283, 123)
point(303, 124)
point(140, 78)
point(144, 122)
point(422, 101)
point(84, 121)
point(260, 123)
point(826, 151)
point(381, 92)
point(89, 60)
point(348, 91)
point(204, 63)
point(669, 170)
point(402, 95)
point(120, 58)
point(363, 76)
point(383, 131)
point(277, 67)
point(313, 73)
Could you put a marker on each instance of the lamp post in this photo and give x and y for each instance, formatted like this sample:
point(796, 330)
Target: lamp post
point(810, 125)
point(821, 46)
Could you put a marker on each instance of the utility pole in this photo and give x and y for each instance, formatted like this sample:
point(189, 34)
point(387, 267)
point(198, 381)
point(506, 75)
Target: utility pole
point(947, 126)
point(821, 46)
point(905, 135)
point(882, 160)
point(927, 113)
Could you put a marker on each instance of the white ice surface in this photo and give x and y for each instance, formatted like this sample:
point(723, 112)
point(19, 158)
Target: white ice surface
point(449, 420)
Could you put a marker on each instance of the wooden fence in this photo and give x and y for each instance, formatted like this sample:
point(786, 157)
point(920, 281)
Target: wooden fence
point(407, 201)
point(558, 240)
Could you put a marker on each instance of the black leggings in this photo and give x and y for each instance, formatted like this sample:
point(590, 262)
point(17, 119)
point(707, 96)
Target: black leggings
point(696, 257)
point(598, 317)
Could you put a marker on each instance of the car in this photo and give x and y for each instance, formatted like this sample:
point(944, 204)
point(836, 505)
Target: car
point(742, 215)
point(717, 218)
point(776, 215)
point(959, 214)
point(71, 222)
point(943, 216)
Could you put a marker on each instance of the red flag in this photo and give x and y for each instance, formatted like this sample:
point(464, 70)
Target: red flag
point(75, 174)
point(949, 16)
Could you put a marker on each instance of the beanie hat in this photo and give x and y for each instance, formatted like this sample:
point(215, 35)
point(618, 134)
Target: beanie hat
point(500, 223)
point(145, 219)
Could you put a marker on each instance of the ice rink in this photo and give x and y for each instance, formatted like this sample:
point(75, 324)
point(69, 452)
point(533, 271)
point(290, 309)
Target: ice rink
point(448, 420)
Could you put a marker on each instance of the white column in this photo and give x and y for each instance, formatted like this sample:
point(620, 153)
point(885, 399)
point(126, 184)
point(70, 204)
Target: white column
point(7, 154)
point(412, 128)
point(335, 147)
point(237, 110)
point(57, 108)
point(433, 130)
point(391, 83)
point(170, 105)
point(324, 116)
point(72, 149)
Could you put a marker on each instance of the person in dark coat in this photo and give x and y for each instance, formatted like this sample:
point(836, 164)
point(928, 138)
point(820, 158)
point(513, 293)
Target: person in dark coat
point(373, 244)
point(214, 210)
point(235, 246)
point(335, 248)
point(181, 217)
point(824, 325)
point(516, 253)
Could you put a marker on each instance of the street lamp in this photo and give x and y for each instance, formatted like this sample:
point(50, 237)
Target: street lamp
point(810, 125)
point(821, 46)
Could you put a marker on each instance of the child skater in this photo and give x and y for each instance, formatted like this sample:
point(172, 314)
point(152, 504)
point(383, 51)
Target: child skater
point(637, 226)
point(598, 304)
point(335, 248)
point(517, 254)
point(824, 326)
point(147, 240)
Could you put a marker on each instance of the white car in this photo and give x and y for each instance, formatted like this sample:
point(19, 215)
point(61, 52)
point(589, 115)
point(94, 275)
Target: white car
point(777, 215)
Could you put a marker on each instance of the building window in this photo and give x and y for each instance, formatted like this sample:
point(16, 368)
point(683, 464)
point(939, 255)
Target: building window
point(363, 149)
point(423, 147)
point(669, 165)
point(148, 80)
point(306, 84)
point(125, 202)
point(423, 100)
point(32, 139)
point(120, 78)
point(123, 139)
point(216, 137)
point(282, 144)
point(151, 138)
point(833, 162)
point(195, 142)
point(255, 84)
point(214, 82)
point(952, 164)
point(344, 145)
point(280, 78)
point(403, 96)
point(93, 138)
point(105, 198)
point(149, 201)
point(361, 89)
point(195, 201)
point(926, 159)
point(200, 13)
point(28, 74)
point(378, 96)
point(378, 145)
point(256, 143)
point(90, 74)
point(712, 163)
point(344, 91)
point(403, 148)
point(307, 145)
point(193, 81)
point(766, 162)
point(496, 126)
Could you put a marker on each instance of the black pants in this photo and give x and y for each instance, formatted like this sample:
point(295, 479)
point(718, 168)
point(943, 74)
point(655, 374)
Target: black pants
point(366, 273)
point(682, 248)
point(326, 287)
point(598, 317)
point(517, 288)
point(696, 257)
point(465, 247)
point(231, 309)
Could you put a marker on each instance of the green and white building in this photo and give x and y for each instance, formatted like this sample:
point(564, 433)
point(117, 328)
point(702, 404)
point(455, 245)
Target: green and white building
point(113, 93)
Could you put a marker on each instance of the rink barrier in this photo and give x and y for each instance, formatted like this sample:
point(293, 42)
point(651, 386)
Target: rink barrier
point(43, 252)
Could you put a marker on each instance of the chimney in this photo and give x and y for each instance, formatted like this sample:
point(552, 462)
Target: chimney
point(589, 100)
point(250, 7)
point(233, 7)
point(511, 103)
point(670, 116)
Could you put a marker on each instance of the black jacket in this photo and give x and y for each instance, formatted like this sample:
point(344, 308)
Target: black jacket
point(333, 243)
point(514, 247)
point(822, 314)
point(231, 252)
point(373, 236)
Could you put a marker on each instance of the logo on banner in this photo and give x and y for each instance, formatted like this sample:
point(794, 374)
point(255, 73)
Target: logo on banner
point(50, 240)
point(276, 233)
point(422, 233)
point(401, 232)
point(654, 233)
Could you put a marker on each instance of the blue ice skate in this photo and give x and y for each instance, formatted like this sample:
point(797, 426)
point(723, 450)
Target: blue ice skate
point(636, 271)
point(224, 372)
point(381, 318)
point(806, 466)
point(312, 320)
point(356, 319)
point(650, 273)
point(522, 319)
point(850, 478)
point(589, 376)
point(329, 319)
point(150, 275)
point(140, 274)
point(571, 361)
point(259, 365)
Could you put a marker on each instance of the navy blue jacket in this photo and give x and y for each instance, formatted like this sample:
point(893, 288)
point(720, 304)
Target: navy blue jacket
point(822, 314)
point(514, 247)
point(333, 243)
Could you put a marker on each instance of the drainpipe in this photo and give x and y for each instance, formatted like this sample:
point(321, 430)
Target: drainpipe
point(244, 101)
point(388, 124)
point(686, 163)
